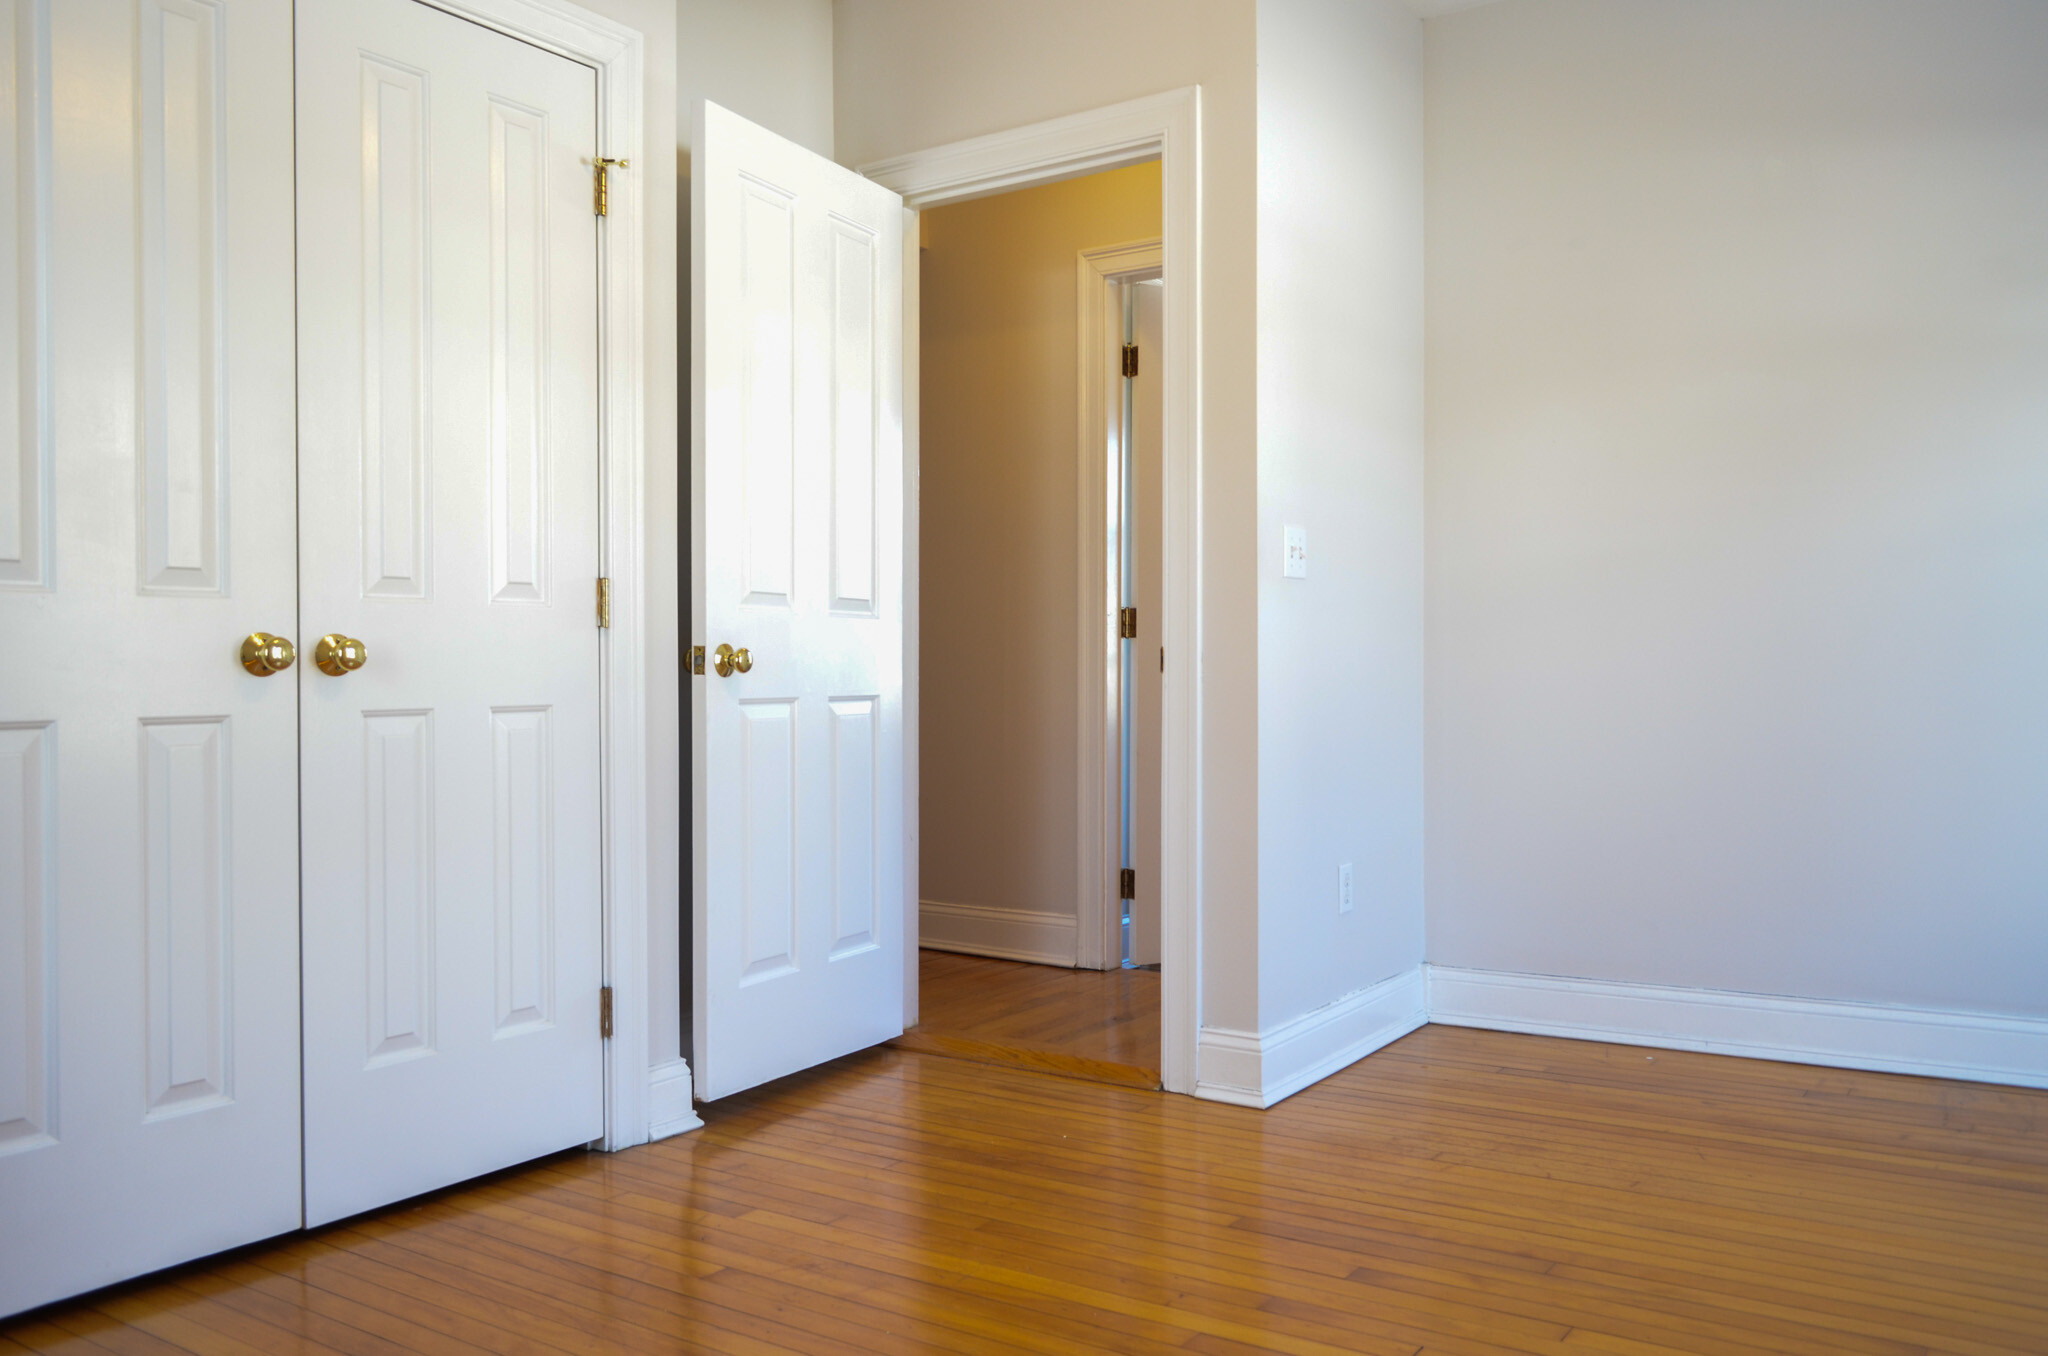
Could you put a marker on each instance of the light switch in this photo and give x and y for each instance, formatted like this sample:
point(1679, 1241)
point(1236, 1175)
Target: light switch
point(1294, 545)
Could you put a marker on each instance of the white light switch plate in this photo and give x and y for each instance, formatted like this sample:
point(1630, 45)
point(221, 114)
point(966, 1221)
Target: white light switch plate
point(1294, 549)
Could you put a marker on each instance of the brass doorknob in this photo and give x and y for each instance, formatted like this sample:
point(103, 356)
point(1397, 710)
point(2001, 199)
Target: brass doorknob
point(729, 661)
point(336, 654)
point(264, 654)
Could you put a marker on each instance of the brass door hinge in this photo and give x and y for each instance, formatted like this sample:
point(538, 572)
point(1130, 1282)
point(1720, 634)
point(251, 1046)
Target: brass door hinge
point(1130, 360)
point(604, 603)
point(604, 1012)
point(602, 193)
point(1127, 623)
point(1127, 884)
point(695, 660)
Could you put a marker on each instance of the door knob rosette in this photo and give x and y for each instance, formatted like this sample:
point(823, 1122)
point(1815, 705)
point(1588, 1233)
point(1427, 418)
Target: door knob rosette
point(337, 654)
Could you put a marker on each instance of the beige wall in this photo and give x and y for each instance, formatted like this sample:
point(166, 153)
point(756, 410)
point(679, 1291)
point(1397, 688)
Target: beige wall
point(1738, 496)
point(910, 74)
point(770, 61)
point(1000, 543)
point(1340, 453)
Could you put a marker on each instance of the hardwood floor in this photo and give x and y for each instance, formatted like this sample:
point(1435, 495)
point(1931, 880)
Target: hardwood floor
point(1096, 1024)
point(1460, 1192)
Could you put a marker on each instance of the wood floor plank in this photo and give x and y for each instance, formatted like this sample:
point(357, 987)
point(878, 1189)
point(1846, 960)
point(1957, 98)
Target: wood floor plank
point(1462, 1192)
point(1099, 1025)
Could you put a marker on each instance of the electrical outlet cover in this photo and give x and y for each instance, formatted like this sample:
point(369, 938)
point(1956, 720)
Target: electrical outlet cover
point(1294, 549)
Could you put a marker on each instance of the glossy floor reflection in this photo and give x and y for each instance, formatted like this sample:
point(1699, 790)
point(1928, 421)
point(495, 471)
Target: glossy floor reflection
point(1096, 1024)
point(1461, 1191)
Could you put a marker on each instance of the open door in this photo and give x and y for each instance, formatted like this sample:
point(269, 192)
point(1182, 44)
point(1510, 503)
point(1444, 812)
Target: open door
point(797, 565)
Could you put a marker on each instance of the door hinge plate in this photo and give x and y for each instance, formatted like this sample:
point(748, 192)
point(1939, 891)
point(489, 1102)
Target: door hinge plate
point(1127, 884)
point(601, 188)
point(604, 1012)
point(1130, 360)
point(1127, 623)
point(604, 603)
point(695, 660)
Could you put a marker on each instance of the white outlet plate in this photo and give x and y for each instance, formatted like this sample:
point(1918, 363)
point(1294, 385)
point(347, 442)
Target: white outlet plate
point(1294, 552)
point(1344, 888)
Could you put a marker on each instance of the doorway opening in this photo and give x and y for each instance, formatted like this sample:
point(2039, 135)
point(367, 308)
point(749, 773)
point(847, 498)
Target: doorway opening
point(1039, 582)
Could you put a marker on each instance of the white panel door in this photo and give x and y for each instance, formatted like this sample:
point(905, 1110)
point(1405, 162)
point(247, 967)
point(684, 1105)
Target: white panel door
point(449, 523)
point(797, 534)
point(1147, 659)
point(149, 1003)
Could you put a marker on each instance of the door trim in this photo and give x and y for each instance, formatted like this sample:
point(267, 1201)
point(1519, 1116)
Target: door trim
point(1164, 127)
point(1098, 758)
point(618, 55)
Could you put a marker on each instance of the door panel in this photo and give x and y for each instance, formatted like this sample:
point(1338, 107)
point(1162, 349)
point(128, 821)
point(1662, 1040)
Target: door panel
point(798, 536)
point(449, 520)
point(149, 1004)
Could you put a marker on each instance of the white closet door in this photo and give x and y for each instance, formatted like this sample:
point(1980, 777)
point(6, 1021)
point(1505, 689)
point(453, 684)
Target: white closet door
point(149, 1002)
point(797, 495)
point(449, 524)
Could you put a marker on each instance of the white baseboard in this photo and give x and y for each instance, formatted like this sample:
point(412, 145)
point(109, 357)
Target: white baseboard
point(1006, 934)
point(668, 1100)
point(1257, 1069)
point(1969, 1045)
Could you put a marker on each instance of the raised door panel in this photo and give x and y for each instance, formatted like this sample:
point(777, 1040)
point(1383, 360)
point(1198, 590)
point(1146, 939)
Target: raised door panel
point(767, 791)
point(28, 934)
point(186, 905)
point(523, 841)
point(855, 736)
point(519, 353)
point(855, 408)
point(26, 445)
point(398, 818)
point(183, 453)
point(768, 392)
point(397, 308)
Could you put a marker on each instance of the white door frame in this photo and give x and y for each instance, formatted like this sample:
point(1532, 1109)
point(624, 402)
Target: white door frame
point(1164, 127)
point(618, 54)
point(1098, 760)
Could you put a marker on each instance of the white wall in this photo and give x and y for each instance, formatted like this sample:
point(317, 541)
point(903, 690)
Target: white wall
point(769, 61)
point(911, 74)
point(1738, 496)
point(999, 555)
point(1340, 453)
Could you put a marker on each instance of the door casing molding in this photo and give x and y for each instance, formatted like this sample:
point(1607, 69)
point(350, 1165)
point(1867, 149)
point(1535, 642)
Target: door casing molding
point(1164, 127)
point(618, 55)
point(1098, 759)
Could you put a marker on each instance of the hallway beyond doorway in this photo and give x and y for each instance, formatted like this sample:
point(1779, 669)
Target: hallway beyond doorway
point(1101, 1025)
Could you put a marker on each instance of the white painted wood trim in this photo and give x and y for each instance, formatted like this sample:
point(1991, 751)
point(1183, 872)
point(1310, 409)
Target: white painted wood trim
point(1006, 934)
point(1249, 1068)
point(670, 1108)
point(913, 276)
point(1979, 1047)
point(1166, 127)
point(618, 54)
point(1097, 751)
